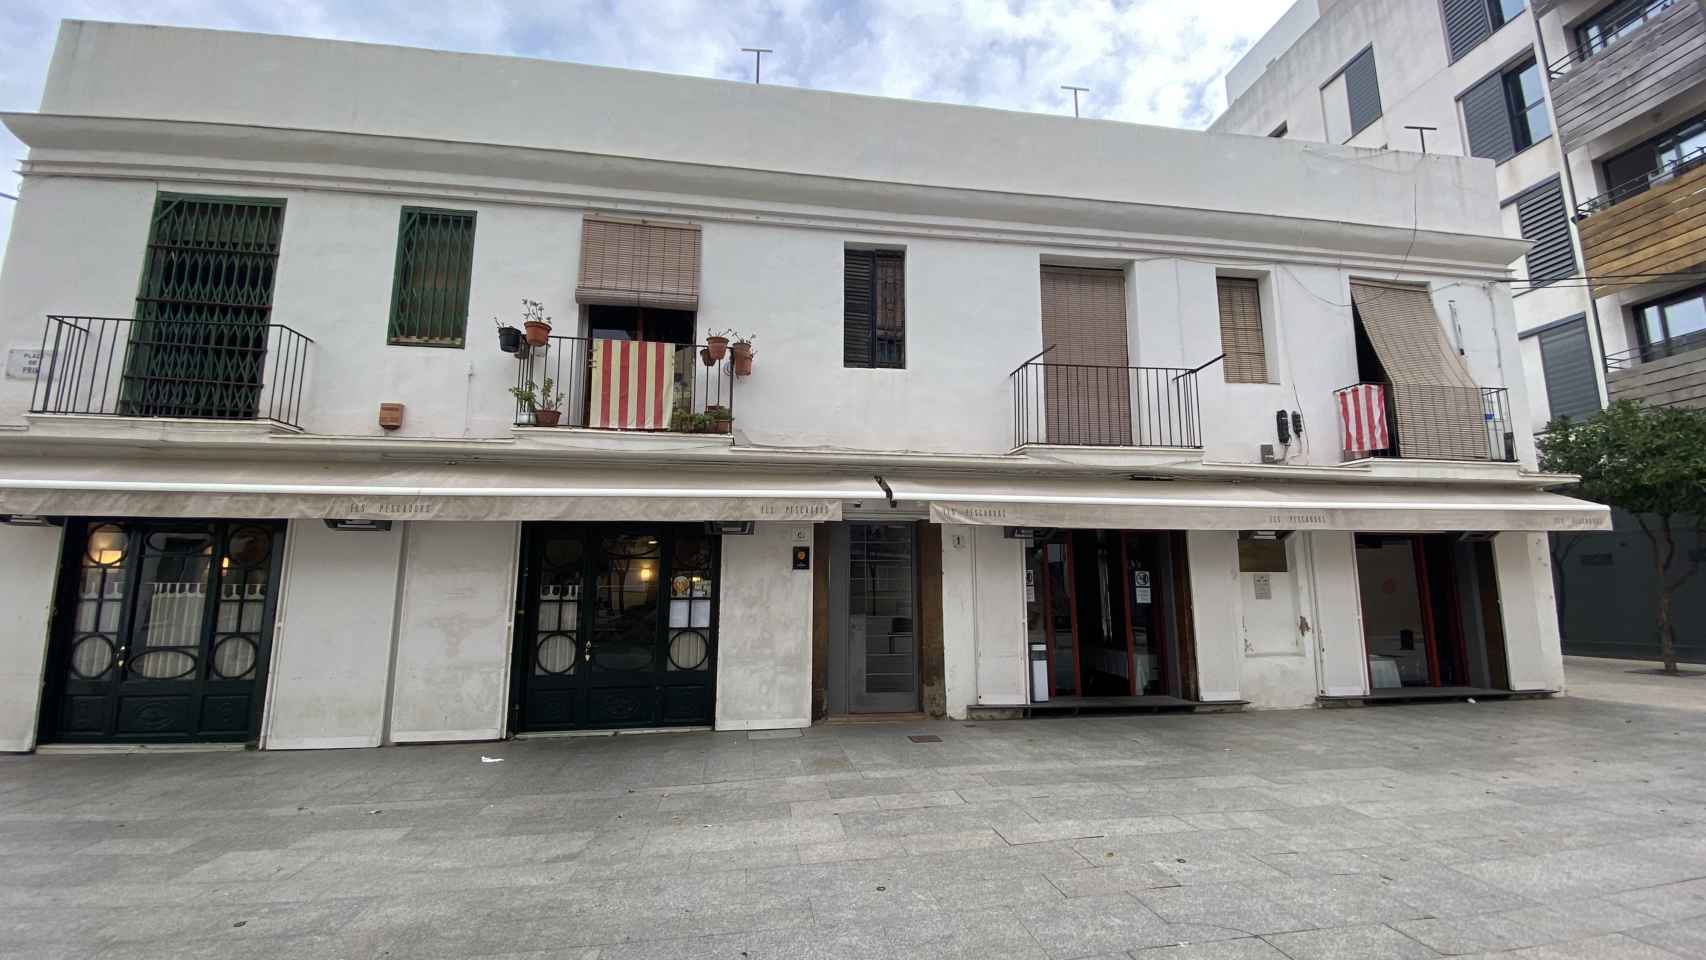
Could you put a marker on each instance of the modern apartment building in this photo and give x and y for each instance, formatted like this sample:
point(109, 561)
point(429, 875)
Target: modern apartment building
point(990, 438)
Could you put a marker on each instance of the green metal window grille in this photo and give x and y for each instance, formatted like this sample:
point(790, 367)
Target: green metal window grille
point(429, 293)
point(199, 344)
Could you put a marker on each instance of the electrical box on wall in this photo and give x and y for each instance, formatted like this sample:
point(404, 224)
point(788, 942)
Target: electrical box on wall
point(1268, 455)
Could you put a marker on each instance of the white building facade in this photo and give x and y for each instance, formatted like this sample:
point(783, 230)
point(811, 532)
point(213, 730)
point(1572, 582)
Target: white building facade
point(1211, 421)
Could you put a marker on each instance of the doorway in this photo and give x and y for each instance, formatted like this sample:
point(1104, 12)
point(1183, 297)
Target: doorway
point(1111, 610)
point(873, 624)
point(617, 627)
point(1430, 612)
point(162, 630)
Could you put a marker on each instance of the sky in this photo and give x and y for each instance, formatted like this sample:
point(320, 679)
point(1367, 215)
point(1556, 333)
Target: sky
point(1147, 61)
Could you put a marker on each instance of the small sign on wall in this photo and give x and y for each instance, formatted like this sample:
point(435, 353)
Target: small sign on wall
point(802, 558)
point(22, 363)
point(1264, 586)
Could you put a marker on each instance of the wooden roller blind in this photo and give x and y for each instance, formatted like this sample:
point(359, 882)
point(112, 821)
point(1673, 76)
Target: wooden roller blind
point(1241, 331)
point(639, 264)
point(1084, 316)
point(1438, 408)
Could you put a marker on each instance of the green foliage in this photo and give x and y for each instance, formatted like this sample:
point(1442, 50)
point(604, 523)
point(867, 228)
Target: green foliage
point(544, 396)
point(1642, 459)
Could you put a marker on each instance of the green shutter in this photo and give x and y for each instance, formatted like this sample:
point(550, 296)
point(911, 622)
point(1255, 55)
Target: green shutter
point(429, 290)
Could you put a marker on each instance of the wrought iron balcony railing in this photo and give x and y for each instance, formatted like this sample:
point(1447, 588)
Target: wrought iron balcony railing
point(1424, 421)
point(1077, 404)
point(691, 392)
point(203, 370)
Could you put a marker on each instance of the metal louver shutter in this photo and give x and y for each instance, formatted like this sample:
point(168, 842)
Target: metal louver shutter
point(1241, 331)
point(1545, 221)
point(1437, 406)
point(639, 264)
point(860, 293)
point(1362, 91)
point(1467, 23)
point(1566, 359)
point(1487, 117)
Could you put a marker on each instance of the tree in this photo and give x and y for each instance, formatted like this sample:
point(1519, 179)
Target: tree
point(1649, 461)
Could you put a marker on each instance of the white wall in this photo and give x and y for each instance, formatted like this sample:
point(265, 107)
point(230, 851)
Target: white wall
point(1524, 568)
point(331, 653)
point(764, 630)
point(1279, 666)
point(454, 638)
point(29, 560)
point(983, 618)
point(1273, 44)
point(1215, 589)
point(1338, 615)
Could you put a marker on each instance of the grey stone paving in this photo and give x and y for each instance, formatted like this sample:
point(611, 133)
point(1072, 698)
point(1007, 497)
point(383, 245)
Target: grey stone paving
point(1536, 829)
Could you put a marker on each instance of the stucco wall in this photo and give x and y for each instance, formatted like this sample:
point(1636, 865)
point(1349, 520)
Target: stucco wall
point(764, 630)
point(983, 618)
point(454, 639)
point(1338, 619)
point(1213, 561)
point(331, 655)
point(1523, 566)
point(29, 559)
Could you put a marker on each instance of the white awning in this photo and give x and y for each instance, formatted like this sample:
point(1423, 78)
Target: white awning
point(390, 491)
point(1220, 505)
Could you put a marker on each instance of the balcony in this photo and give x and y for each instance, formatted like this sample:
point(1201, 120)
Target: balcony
point(1647, 227)
point(1666, 374)
point(1653, 50)
point(181, 369)
point(1425, 422)
point(681, 390)
point(1073, 404)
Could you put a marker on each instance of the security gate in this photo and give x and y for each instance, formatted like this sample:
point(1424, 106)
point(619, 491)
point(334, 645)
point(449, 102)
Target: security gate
point(616, 627)
point(162, 630)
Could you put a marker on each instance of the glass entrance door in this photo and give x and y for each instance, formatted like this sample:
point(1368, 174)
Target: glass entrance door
point(616, 627)
point(873, 662)
point(162, 630)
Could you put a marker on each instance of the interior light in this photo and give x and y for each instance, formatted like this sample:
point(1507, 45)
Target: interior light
point(107, 558)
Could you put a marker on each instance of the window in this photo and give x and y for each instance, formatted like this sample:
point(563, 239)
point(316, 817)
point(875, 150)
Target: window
point(1673, 323)
point(1566, 364)
point(1656, 160)
point(1544, 220)
point(874, 309)
point(1278, 132)
point(429, 291)
point(1615, 22)
point(1241, 338)
point(1362, 91)
point(1506, 112)
point(1468, 22)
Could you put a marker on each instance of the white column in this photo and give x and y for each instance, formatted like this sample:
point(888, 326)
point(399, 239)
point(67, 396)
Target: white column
point(1338, 626)
point(454, 633)
point(29, 559)
point(331, 652)
point(1216, 613)
point(1532, 649)
point(764, 630)
point(983, 618)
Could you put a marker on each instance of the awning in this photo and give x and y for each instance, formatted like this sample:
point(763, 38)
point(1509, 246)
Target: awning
point(1221, 505)
point(388, 491)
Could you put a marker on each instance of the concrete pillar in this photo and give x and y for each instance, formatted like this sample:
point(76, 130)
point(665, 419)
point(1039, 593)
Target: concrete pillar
point(1338, 625)
point(983, 618)
point(1524, 569)
point(29, 560)
point(764, 630)
point(1215, 613)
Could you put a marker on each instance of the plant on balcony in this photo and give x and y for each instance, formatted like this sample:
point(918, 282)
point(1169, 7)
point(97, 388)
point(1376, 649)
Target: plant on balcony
point(545, 402)
point(719, 419)
point(537, 324)
point(1651, 462)
point(717, 346)
point(743, 353)
point(509, 336)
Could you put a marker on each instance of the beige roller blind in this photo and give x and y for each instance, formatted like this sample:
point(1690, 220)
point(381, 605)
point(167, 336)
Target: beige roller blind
point(639, 264)
point(1241, 331)
point(1438, 409)
point(1086, 383)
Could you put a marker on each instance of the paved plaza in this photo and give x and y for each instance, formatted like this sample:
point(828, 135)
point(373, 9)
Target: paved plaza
point(1569, 828)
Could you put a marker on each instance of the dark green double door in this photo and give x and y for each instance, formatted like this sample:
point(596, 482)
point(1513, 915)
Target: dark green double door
point(161, 630)
point(616, 627)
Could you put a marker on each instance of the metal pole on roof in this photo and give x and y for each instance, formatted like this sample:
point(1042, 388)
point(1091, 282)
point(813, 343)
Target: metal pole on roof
point(8, 196)
point(1421, 132)
point(757, 61)
point(1075, 92)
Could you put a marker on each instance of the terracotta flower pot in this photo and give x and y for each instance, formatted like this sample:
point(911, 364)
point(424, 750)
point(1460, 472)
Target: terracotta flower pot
point(538, 334)
point(547, 418)
point(717, 347)
point(706, 358)
point(743, 359)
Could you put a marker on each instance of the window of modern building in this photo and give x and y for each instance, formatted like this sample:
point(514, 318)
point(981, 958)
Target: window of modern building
point(1468, 22)
point(1678, 149)
point(429, 290)
point(1545, 222)
point(874, 309)
point(1675, 322)
point(1566, 363)
point(1505, 113)
point(1614, 23)
point(1241, 336)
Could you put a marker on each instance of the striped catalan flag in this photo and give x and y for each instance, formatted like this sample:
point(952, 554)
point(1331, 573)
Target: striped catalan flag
point(1362, 418)
point(632, 384)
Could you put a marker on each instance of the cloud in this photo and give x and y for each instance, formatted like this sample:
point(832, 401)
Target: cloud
point(1145, 61)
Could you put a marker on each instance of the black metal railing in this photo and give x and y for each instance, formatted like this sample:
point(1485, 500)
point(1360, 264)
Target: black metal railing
point(204, 370)
point(698, 396)
point(1077, 404)
point(1648, 352)
point(1424, 421)
point(1639, 185)
point(1625, 20)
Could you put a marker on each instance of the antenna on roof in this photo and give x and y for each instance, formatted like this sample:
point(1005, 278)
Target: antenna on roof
point(1421, 132)
point(1075, 92)
point(757, 61)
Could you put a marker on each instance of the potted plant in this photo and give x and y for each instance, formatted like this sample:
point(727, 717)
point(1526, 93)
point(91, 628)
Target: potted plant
point(683, 421)
point(719, 419)
point(537, 324)
point(509, 337)
point(544, 401)
point(717, 346)
point(742, 351)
